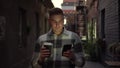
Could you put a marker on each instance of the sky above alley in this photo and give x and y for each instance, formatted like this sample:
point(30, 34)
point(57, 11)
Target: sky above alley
point(57, 3)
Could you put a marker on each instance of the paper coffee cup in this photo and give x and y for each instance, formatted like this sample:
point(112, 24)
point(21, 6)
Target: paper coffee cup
point(48, 46)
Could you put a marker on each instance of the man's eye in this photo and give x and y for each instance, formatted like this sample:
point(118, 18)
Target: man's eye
point(61, 21)
point(53, 21)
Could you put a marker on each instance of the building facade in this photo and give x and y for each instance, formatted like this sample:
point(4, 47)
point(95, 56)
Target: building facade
point(75, 20)
point(69, 9)
point(104, 16)
point(109, 23)
point(21, 22)
point(82, 18)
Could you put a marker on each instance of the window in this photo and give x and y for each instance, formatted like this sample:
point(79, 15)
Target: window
point(22, 28)
point(2, 27)
point(119, 18)
point(103, 23)
point(37, 25)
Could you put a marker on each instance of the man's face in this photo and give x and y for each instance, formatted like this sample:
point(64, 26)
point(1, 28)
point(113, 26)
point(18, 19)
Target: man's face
point(56, 22)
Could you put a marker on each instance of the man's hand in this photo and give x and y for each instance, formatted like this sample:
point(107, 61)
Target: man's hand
point(44, 53)
point(69, 54)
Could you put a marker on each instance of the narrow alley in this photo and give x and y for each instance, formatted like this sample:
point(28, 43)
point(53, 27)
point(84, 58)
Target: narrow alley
point(96, 24)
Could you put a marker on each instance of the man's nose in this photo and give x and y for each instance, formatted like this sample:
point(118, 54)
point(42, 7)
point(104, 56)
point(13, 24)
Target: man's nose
point(57, 24)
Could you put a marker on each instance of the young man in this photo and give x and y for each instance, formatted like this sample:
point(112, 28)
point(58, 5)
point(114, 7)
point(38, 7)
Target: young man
point(58, 39)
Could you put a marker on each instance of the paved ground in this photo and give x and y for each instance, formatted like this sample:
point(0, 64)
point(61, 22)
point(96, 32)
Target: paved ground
point(90, 64)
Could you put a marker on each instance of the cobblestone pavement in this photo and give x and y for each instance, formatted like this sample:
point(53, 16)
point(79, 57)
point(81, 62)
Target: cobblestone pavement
point(90, 64)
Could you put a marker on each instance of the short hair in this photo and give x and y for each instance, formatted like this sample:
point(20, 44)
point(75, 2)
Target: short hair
point(55, 11)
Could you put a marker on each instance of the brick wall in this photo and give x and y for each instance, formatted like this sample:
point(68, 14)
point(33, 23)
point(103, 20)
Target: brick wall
point(111, 20)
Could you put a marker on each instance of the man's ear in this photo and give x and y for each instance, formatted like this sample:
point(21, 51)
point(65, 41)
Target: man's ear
point(49, 21)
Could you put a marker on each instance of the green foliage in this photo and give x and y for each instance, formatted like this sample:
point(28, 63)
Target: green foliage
point(93, 49)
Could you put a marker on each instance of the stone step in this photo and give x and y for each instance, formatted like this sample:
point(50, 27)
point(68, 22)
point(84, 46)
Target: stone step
point(114, 64)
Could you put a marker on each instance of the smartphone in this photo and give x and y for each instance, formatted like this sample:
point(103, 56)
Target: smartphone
point(66, 47)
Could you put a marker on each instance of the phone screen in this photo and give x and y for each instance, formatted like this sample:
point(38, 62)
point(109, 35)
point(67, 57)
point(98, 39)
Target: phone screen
point(67, 47)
